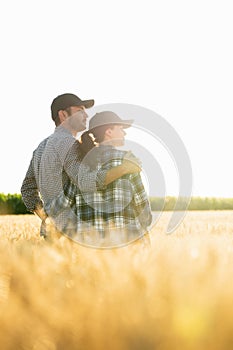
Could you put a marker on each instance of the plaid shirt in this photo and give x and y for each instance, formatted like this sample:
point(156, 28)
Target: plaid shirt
point(122, 206)
point(29, 189)
point(53, 176)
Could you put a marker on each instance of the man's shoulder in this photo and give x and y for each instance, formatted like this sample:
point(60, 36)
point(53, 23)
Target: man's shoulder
point(41, 146)
point(59, 145)
point(43, 143)
point(61, 136)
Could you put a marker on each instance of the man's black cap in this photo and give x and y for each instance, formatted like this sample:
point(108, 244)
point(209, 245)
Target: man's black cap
point(64, 101)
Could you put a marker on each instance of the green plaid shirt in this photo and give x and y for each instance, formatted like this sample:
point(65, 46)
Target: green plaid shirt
point(122, 205)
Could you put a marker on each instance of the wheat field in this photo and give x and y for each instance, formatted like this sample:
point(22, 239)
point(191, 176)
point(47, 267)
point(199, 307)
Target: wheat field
point(177, 294)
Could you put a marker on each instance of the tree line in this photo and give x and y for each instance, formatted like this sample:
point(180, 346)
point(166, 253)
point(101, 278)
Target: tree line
point(196, 203)
point(13, 204)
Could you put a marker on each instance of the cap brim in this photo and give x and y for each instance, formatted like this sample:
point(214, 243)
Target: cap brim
point(88, 103)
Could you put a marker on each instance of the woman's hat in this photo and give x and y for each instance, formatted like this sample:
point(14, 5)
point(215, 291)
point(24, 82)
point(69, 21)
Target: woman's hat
point(106, 118)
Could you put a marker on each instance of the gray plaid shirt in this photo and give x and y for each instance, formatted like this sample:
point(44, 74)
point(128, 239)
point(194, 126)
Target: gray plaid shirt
point(30, 188)
point(53, 169)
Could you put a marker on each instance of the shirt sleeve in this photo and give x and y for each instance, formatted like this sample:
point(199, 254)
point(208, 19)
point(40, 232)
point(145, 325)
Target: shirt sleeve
point(29, 190)
point(87, 179)
point(141, 201)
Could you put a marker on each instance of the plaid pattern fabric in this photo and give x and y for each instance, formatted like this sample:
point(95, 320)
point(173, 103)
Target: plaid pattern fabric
point(122, 205)
point(29, 189)
point(53, 176)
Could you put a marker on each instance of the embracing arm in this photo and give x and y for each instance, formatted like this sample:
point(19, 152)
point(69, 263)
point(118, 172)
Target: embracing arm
point(116, 172)
point(90, 180)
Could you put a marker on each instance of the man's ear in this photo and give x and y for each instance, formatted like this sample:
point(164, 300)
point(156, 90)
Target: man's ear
point(62, 115)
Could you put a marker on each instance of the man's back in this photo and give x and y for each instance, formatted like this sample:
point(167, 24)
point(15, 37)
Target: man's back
point(51, 170)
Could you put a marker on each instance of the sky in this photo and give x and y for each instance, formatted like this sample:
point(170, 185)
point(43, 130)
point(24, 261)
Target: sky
point(171, 57)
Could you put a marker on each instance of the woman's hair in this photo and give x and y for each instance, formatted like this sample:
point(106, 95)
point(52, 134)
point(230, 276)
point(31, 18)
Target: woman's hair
point(89, 138)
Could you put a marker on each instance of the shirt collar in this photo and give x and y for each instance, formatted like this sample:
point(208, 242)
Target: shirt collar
point(106, 146)
point(61, 129)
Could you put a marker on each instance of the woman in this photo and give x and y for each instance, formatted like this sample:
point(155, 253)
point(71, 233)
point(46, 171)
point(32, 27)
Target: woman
point(120, 213)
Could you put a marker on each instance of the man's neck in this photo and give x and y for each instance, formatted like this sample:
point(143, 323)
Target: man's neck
point(69, 128)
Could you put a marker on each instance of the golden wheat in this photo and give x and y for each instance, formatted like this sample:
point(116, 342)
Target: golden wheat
point(175, 295)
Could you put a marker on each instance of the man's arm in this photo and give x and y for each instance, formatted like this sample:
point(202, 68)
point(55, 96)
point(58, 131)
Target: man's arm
point(29, 189)
point(31, 197)
point(41, 213)
point(91, 180)
point(30, 192)
point(127, 167)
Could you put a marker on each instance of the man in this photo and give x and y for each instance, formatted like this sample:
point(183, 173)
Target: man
point(119, 213)
point(52, 176)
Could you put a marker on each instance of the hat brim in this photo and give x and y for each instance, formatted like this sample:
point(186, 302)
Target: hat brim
point(87, 103)
point(125, 123)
